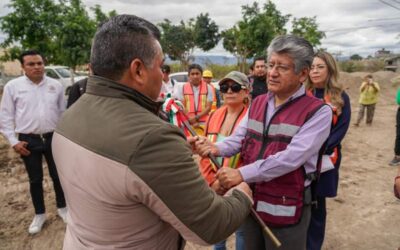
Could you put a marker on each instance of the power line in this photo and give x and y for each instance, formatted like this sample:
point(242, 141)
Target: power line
point(389, 4)
point(383, 19)
point(396, 1)
point(356, 28)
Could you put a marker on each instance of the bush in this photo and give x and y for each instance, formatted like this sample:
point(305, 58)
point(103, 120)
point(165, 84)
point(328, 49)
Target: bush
point(371, 65)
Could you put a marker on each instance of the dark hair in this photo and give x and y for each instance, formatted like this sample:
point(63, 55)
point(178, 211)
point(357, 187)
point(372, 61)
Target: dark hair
point(297, 48)
point(28, 53)
point(166, 69)
point(195, 66)
point(258, 58)
point(120, 40)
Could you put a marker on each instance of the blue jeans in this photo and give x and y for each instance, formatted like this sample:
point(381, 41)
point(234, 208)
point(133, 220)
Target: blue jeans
point(239, 241)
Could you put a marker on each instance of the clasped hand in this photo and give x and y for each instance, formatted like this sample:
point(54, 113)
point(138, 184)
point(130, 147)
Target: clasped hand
point(202, 146)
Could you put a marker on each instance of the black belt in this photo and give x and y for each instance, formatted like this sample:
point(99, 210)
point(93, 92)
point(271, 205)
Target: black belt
point(41, 136)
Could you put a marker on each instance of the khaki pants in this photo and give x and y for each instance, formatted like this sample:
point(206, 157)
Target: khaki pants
point(370, 113)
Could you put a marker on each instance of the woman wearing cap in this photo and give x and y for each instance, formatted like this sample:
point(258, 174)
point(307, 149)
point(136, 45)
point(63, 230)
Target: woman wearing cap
point(322, 83)
point(234, 88)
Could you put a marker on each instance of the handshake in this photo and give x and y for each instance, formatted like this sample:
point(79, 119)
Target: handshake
point(225, 178)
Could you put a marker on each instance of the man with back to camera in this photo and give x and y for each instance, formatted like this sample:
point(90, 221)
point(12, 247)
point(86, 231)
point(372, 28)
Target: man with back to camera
point(129, 178)
point(30, 109)
point(280, 140)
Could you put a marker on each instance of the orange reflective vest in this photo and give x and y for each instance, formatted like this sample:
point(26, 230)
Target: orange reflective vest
point(214, 103)
point(213, 127)
point(327, 99)
point(188, 100)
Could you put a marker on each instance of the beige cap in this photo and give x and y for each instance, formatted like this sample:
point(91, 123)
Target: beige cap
point(238, 77)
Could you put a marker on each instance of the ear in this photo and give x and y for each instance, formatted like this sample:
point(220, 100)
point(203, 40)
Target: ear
point(137, 72)
point(304, 74)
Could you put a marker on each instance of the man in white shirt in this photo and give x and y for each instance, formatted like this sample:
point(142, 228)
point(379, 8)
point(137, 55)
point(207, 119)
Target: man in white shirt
point(168, 83)
point(30, 109)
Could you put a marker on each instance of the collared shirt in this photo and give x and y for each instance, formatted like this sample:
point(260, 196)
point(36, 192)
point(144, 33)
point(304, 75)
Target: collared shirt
point(302, 150)
point(27, 107)
point(166, 88)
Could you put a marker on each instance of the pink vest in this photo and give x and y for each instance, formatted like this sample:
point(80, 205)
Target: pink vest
point(279, 202)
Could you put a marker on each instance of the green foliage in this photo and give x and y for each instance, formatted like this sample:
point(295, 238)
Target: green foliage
point(251, 36)
point(100, 16)
point(60, 29)
point(75, 35)
point(350, 66)
point(32, 24)
point(178, 41)
point(206, 34)
point(372, 65)
point(307, 28)
point(356, 57)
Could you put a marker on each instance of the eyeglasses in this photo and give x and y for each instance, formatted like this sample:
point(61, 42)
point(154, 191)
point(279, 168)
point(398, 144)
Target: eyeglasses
point(235, 87)
point(281, 68)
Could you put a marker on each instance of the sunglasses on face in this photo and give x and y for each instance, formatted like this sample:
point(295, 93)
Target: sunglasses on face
point(235, 87)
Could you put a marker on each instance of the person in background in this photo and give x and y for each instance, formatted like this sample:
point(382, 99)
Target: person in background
point(250, 75)
point(396, 159)
point(207, 77)
point(369, 92)
point(280, 141)
point(222, 123)
point(196, 97)
point(323, 84)
point(31, 107)
point(167, 88)
point(129, 177)
point(77, 90)
point(259, 83)
point(397, 185)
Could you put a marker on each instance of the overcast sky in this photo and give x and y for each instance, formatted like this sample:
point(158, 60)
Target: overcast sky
point(351, 26)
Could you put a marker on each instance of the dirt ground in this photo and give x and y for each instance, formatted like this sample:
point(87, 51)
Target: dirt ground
point(365, 215)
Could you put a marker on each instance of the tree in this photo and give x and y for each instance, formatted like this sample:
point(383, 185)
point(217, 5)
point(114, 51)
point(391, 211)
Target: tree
point(356, 57)
point(100, 16)
point(307, 28)
point(75, 35)
point(205, 31)
point(252, 35)
point(32, 24)
point(178, 41)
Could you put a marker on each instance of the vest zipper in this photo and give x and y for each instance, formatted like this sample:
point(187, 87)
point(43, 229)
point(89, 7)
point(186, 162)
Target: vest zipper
point(265, 132)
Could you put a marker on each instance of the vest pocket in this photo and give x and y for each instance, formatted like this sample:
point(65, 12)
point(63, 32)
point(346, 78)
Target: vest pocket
point(279, 206)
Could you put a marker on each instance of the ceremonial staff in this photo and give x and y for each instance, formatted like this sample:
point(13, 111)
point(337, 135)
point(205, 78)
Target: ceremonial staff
point(180, 118)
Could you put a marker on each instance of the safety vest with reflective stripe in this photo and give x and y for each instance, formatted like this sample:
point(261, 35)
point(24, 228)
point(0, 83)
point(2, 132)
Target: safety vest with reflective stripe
point(188, 100)
point(279, 202)
point(213, 127)
point(214, 102)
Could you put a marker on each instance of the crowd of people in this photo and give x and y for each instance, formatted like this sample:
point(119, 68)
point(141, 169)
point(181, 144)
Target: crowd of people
point(130, 179)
